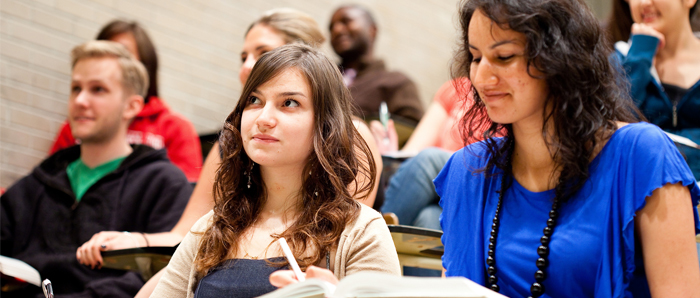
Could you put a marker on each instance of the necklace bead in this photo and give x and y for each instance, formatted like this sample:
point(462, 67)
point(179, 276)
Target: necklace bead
point(537, 288)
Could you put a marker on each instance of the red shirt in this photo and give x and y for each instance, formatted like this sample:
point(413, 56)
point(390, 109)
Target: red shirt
point(158, 127)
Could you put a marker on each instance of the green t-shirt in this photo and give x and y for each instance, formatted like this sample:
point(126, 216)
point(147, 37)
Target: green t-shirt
point(82, 177)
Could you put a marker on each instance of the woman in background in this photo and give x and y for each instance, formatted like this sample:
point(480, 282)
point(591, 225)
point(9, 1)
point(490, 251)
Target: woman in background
point(156, 125)
point(662, 64)
point(274, 29)
point(575, 200)
point(293, 134)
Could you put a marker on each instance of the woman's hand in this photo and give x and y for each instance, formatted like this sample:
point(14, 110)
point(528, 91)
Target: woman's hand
point(387, 138)
point(283, 278)
point(89, 253)
point(645, 29)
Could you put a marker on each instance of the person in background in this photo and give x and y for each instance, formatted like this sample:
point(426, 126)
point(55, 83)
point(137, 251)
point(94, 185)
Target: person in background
point(102, 184)
point(576, 199)
point(293, 134)
point(156, 126)
point(353, 31)
point(275, 28)
point(662, 65)
point(410, 194)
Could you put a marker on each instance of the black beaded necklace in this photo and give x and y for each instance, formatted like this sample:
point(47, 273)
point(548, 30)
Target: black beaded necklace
point(537, 288)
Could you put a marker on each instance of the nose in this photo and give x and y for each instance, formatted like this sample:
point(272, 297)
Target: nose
point(246, 68)
point(483, 75)
point(81, 99)
point(267, 118)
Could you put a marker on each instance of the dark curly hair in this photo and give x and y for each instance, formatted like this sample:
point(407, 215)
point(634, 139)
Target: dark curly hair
point(327, 200)
point(565, 43)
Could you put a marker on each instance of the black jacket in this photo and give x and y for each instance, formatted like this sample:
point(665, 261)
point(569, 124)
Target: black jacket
point(43, 224)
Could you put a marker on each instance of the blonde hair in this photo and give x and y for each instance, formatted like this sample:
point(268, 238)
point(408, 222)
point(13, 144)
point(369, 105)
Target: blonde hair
point(294, 25)
point(134, 75)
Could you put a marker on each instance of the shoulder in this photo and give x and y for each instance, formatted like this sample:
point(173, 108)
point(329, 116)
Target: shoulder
point(365, 217)
point(640, 135)
point(368, 226)
point(203, 223)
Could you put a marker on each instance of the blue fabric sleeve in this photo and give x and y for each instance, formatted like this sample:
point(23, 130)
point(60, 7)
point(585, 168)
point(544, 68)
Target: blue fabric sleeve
point(638, 64)
point(654, 161)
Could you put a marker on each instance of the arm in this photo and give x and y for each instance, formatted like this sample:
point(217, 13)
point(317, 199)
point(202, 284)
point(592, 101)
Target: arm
point(175, 279)
point(367, 136)
point(200, 202)
point(183, 146)
point(666, 227)
point(371, 249)
point(427, 131)
point(425, 135)
point(638, 65)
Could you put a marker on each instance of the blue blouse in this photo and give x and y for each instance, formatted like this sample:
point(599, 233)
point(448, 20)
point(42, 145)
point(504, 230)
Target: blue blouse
point(593, 251)
point(242, 278)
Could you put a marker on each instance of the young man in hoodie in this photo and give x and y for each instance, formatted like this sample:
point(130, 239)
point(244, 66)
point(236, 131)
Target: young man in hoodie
point(102, 184)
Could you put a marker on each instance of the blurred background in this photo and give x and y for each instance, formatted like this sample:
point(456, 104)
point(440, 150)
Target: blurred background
point(198, 43)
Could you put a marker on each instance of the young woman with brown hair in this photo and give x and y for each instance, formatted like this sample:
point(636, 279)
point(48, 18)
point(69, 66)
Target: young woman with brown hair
point(293, 135)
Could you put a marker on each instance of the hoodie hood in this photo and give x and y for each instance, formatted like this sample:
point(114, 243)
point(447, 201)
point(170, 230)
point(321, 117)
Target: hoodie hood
point(154, 107)
point(52, 171)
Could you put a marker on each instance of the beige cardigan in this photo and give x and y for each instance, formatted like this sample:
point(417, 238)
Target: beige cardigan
point(365, 245)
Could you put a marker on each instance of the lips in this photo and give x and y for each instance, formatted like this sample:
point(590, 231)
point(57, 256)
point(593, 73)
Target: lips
point(489, 96)
point(263, 138)
point(83, 119)
point(648, 17)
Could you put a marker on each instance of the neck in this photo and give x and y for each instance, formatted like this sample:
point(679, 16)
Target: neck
point(677, 41)
point(283, 187)
point(355, 63)
point(532, 162)
point(95, 154)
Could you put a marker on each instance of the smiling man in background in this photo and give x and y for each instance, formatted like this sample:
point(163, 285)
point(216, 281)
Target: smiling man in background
point(102, 184)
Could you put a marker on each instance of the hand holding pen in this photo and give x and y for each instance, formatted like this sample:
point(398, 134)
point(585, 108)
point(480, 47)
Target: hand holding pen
point(282, 278)
point(384, 119)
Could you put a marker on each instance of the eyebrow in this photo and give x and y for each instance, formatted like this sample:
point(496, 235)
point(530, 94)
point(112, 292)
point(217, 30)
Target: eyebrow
point(495, 45)
point(283, 94)
point(256, 49)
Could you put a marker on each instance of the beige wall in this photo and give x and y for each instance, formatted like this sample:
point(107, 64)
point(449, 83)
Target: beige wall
point(198, 42)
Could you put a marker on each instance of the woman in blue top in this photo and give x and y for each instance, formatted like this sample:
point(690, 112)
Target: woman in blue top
point(662, 62)
point(575, 200)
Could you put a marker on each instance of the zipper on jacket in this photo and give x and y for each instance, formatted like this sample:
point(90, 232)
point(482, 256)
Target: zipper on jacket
point(675, 114)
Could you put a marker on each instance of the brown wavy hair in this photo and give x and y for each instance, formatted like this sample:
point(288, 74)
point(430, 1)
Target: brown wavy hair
point(566, 44)
point(339, 156)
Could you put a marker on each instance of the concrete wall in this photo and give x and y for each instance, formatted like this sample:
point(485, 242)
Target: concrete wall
point(198, 43)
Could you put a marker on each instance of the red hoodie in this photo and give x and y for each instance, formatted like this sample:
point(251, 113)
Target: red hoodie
point(158, 127)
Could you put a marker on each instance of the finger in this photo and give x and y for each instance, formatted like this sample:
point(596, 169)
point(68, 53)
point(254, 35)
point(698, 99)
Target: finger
point(377, 129)
point(322, 274)
point(282, 278)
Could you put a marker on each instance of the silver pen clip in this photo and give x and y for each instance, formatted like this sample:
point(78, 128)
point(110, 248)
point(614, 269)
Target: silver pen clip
point(48, 289)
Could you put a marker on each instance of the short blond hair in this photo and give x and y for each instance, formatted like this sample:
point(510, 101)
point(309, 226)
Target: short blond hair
point(294, 25)
point(134, 75)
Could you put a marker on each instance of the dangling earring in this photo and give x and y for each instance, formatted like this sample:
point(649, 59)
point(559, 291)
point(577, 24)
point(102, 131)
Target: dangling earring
point(248, 173)
point(315, 190)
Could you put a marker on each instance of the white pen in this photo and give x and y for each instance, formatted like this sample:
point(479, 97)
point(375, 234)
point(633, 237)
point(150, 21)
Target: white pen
point(291, 259)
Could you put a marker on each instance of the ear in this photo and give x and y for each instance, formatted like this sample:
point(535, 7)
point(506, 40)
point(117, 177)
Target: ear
point(373, 32)
point(132, 106)
point(689, 4)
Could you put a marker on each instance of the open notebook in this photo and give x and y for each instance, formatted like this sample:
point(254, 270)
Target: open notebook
point(20, 270)
point(372, 284)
